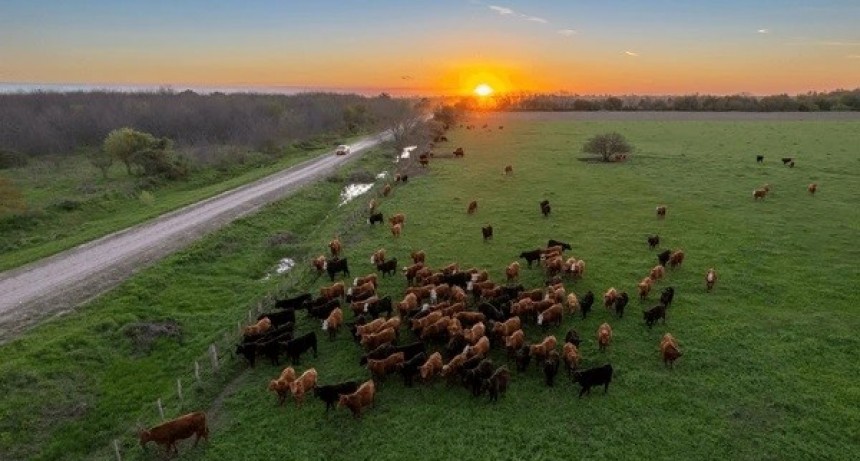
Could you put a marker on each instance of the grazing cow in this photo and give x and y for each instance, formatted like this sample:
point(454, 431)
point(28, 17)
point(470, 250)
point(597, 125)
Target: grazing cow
point(305, 382)
point(418, 257)
point(167, 434)
point(396, 229)
point(319, 264)
point(667, 296)
point(531, 256)
point(491, 312)
point(399, 218)
point(512, 272)
point(620, 303)
point(410, 368)
point(669, 350)
point(280, 317)
point(474, 377)
point(379, 369)
point(381, 306)
point(506, 328)
point(523, 357)
point(469, 318)
point(336, 290)
point(661, 211)
point(550, 367)
point(431, 367)
point(378, 257)
point(487, 232)
point(791, 164)
point(419, 324)
point(480, 349)
point(387, 267)
point(657, 272)
point(372, 327)
point(572, 303)
point(571, 357)
point(297, 346)
point(759, 194)
point(359, 399)
point(759, 158)
point(452, 368)
point(333, 322)
point(360, 292)
point(374, 340)
point(333, 266)
point(282, 385)
point(812, 188)
point(331, 393)
point(604, 336)
point(375, 218)
point(473, 207)
point(369, 278)
point(436, 330)
point(786, 160)
point(509, 169)
point(663, 257)
point(593, 377)
point(653, 241)
point(258, 328)
point(474, 334)
point(557, 243)
point(609, 297)
point(539, 351)
point(336, 247)
point(459, 152)
point(644, 287)
point(497, 383)
point(294, 302)
point(676, 259)
point(385, 350)
point(545, 208)
point(514, 342)
point(550, 316)
point(586, 303)
point(323, 311)
point(710, 279)
point(655, 313)
point(386, 190)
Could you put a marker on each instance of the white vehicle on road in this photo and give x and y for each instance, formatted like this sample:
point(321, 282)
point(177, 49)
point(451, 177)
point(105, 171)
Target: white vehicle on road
point(342, 149)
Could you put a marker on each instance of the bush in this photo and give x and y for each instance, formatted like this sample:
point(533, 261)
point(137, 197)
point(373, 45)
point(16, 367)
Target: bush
point(607, 146)
point(67, 205)
point(12, 159)
point(147, 198)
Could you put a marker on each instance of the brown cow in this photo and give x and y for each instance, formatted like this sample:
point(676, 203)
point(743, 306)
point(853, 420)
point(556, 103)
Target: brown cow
point(481, 348)
point(333, 322)
point(710, 279)
point(359, 399)
point(420, 324)
point(661, 211)
point(399, 218)
point(378, 257)
point(609, 297)
point(372, 205)
point(759, 194)
point(319, 263)
point(535, 295)
point(373, 340)
point(550, 316)
point(676, 258)
point(474, 334)
point(336, 290)
point(281, 386)
point(812, 188)
point(386, 190)
point(514, 342)
point(306, 382)
point(379, 369)
point(396, 229)
point(669, 350)
point(509, 169)
point(258, 328)
point(604, 336)
point(431, 367)
point(473, 207)
point(571, 357)
point(335, 246)
point(364, 291)
point(657, 272)
point(373, 327)
point(370, 278)
point(418, 256)
point(541, 350)
point(458, 295)
point(507, 327)
point(167, 434)
point(572, 303)
point(512, 272)
point(644, 288)
point(453, 366)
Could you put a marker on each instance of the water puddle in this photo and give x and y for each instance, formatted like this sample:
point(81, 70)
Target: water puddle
point(407, 152)
point(284, 265)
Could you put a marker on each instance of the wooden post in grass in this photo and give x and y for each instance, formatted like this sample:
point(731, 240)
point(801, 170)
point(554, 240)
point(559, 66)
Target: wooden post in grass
point(213, 356)
point(179, 388)
point(116, 450)
point(160, 409)
point(197, 371)
point(250, 317)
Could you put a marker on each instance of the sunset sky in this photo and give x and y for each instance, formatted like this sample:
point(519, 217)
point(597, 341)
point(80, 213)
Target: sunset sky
point(443, 46)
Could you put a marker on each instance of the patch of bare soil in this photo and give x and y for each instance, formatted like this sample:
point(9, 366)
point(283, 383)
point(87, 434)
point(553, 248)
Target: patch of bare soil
point(143, 335)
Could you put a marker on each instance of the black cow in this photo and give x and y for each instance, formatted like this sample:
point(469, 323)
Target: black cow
point(545, 208)
point(572, 337)
point(487, 232)
point(383, 351)
point(335, 265)
point(786, 160)
point(322, 312)
point(460, 279)
point(653, 241)
point(269, 346)
point(294, 302)
point(523, 358)
point(550, 367)
point(620, 303)
point(379, 307)
point(531, 256)
point(388, 267)
point(375, 218)
point(455, 346)
point(667, 296)
point(655, 313)
point(791, 164)
point(497, 383)
point(299, 345)
point(663, 257)
point(330, 393)
point(280, 318)
point(491, 312)
point(272, 348)
point(585, 303)
point(475, 377)
point(759, 158)
point(409, 368)
point(593, 377)
point(558, 243)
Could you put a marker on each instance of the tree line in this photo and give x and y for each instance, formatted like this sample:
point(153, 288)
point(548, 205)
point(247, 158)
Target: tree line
point(839, 100)
point(44, 123)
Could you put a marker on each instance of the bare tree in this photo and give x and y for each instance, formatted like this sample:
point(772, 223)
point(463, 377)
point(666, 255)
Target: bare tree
point(404, 121)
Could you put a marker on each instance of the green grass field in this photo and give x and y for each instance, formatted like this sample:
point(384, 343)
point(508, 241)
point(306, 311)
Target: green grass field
point(768, 370)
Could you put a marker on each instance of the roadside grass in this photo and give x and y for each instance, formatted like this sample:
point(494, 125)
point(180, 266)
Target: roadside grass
point(768, 370)
point(70, 203)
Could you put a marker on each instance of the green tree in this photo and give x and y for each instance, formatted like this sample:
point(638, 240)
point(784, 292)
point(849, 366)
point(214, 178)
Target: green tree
point(124, 143)
point(607, 146)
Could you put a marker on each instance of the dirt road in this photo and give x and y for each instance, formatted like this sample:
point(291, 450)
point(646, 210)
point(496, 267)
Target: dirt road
point(61, 282)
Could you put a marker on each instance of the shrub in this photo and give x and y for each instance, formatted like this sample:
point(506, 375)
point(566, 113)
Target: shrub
point(147, 198)
point(67, 205)
point(12, 159)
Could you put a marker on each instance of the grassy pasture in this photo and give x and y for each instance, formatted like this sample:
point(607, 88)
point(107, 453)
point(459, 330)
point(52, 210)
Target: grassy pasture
point(768, 371)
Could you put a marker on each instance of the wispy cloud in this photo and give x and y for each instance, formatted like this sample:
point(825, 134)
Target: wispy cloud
point(535, 19)
point(630, 53)
point(566, 32)
point(764, 31)
point(501, 10)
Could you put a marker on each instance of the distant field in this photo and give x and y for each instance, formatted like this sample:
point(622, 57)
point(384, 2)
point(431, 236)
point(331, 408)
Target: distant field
point(769, 366)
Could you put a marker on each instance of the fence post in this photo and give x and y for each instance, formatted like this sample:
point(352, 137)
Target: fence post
point(213, 355)
point(179, 388)
point(250, 316)
point(160, 409)
point(116, 450)
point(197, 370)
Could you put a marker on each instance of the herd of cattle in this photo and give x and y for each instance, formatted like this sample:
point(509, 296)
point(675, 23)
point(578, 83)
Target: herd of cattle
point(445, 325)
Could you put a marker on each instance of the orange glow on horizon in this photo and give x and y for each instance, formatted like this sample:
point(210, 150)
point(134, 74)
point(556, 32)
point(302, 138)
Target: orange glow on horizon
point(483, 90)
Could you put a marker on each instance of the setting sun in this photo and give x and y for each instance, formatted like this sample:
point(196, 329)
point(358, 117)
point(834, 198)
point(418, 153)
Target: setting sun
point(483, 90)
